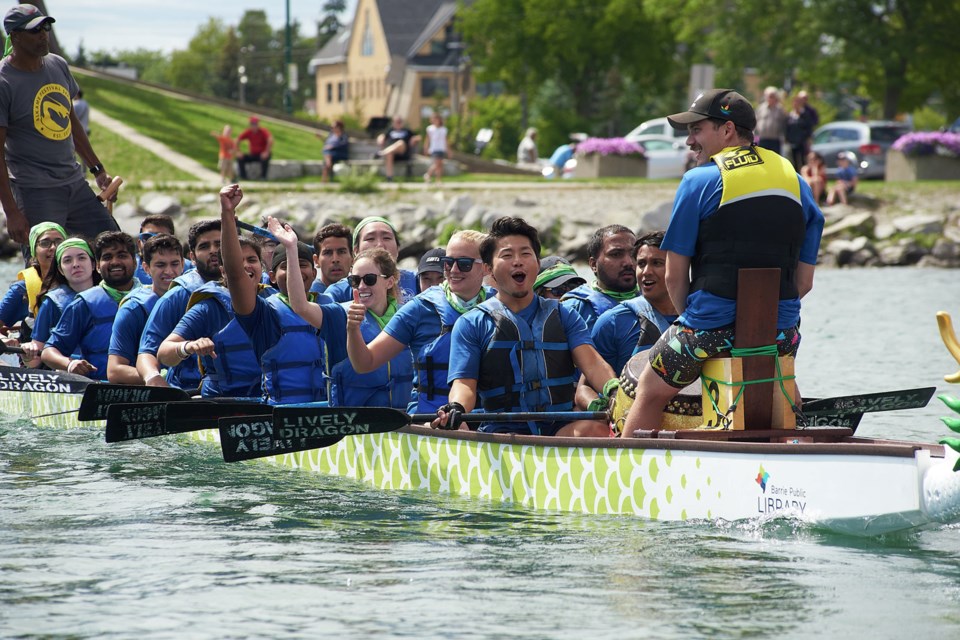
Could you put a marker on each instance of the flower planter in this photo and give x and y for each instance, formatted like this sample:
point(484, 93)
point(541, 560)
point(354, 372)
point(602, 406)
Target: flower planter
point(904, 168)
point(594, 165)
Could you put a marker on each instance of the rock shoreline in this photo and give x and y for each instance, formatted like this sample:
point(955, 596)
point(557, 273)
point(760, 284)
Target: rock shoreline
point(923, 229)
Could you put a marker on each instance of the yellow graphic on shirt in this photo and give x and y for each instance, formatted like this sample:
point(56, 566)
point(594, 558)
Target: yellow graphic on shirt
point(51, 112)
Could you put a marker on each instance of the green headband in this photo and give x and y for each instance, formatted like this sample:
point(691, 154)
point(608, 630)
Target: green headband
point(553, 272)
point(73, 242)
point(38, 230)
point(368, 220)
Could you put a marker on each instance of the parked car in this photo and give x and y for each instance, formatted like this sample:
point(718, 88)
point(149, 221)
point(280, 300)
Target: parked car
point(657, 126)
point(867, 141)
point(667, 157)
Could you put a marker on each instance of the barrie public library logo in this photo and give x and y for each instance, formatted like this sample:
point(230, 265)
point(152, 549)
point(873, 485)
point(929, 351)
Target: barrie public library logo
point(762, 478)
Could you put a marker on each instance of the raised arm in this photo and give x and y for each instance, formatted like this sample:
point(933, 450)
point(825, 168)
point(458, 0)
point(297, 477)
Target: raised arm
point(309, 311)
point(678, 279)
point(243, 290)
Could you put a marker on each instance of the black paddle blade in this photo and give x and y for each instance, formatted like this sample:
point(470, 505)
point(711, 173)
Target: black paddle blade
point(134, 421)
point(294, 429)
point(847, 420)
point(182, 417)
point(98, 396)
point(246, 438)
point(869, 402)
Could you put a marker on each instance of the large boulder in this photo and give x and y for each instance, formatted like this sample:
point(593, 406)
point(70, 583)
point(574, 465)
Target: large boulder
point(160, 204)
point(855, 224)
point(920, 223)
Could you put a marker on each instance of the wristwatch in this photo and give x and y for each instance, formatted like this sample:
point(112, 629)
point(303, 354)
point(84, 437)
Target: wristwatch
point(96, 169)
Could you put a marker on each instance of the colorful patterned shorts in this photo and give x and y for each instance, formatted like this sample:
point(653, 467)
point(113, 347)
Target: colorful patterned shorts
point(678, 355)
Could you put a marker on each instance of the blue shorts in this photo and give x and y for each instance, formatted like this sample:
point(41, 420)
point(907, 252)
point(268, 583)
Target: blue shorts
point(438, 154)
point(521, 428)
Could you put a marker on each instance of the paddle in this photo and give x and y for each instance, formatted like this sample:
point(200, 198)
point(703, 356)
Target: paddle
point(132, 421)
point(5, 348)
point(260, 231)
point(100, 395)
point(869, 402)
point(292, 429)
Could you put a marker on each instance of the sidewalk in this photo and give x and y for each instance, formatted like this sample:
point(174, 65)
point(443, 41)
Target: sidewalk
point(179, 160)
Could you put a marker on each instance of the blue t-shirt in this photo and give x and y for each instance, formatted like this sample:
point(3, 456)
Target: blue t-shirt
point(341, 291)
point(847, 173)
point(698, 197)
point(615, 335)
point(163, 319)
point(562, 153)
point(14, 306)
point(262, 325)
point(129, 324)
point(144, 277)
point(474, 331)
point(48, 315)
point(318, 287)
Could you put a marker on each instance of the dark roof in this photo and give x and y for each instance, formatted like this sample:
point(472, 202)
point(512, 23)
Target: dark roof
point(335, 51)
point(404, 21)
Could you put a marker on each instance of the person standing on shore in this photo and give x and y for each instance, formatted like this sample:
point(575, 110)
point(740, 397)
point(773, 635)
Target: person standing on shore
point(40, 179)
point(771, 121)
point(227, 154)
point(437, 148)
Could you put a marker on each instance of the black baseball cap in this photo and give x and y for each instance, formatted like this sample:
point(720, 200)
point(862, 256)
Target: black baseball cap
point(24, 16)
point(722, 104)
point(304, 252)
point(430, 261)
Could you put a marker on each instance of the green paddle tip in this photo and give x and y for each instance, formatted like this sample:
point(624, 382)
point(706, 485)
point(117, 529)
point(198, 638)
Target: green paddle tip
point(950, 401)
point(953, 443)
point(953, 423)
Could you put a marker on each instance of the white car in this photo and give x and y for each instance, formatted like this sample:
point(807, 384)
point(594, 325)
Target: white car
point(667, 157)
point(657, 126)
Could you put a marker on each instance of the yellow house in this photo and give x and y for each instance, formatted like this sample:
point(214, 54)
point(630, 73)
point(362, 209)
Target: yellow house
point(397, 57)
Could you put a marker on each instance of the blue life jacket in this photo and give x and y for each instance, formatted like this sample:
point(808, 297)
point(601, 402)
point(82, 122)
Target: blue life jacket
point(388, 386)
point(650, 323)
point(534, 361)
point(185, 375)
point(145, 298)
point(596, 303)
point(433, 361)
point(61, 297)
point(293, 368)
point(235, 372)
point(95, 344)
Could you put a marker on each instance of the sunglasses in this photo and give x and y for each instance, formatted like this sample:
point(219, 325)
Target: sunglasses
point(561, 290)
point(464, 264)
point(368, 279)
point(46, 243)
point(43, 27)
point(146, 235)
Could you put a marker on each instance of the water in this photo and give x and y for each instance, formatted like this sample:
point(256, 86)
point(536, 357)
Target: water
point(161, 539)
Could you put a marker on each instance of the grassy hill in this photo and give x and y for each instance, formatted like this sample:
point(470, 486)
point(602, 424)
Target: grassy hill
point(182, 124)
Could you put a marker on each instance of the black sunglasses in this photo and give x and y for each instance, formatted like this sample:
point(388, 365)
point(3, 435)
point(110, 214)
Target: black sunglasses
point(43, 27)
point(368, 279)
point(464, 264)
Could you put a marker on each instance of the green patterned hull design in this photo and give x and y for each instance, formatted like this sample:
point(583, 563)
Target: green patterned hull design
point(31, 404)
point(846, 487)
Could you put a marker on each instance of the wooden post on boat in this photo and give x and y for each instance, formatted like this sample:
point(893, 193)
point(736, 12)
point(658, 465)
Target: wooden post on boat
point(758, 295)
point(763, 405)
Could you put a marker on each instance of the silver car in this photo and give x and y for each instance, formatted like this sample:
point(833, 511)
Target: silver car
point(867, 141)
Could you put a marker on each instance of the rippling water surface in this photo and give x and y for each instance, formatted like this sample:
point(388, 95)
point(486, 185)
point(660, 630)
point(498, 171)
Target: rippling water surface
point(160, 538)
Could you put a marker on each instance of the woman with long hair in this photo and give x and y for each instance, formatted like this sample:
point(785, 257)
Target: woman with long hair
point(74, 271)
point(22, 299)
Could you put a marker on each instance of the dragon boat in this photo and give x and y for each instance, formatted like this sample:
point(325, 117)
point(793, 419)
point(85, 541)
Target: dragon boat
point(822, 475)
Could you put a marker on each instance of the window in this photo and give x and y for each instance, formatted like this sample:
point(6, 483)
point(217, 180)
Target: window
point(429, 87)
point(329, 92)
point(366, 44)
point(340, 88)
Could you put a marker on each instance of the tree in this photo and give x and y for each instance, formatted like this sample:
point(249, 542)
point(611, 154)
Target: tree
point(196, 68)
point(574, 44)
point(330, 24)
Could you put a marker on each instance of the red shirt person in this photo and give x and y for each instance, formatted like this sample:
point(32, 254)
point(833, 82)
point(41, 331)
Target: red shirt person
point(260, 145)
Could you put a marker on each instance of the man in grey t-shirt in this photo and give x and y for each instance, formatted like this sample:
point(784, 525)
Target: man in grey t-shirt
point(40, 180)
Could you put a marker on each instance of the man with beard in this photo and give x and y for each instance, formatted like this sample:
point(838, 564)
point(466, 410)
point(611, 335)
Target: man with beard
point(40, 179)
point(87, 321)
point(204, 242)
point(209, 330)
point(635, 325)
point(162, 261)
point(741, 207)
point(517, 351)
point(611, 258)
